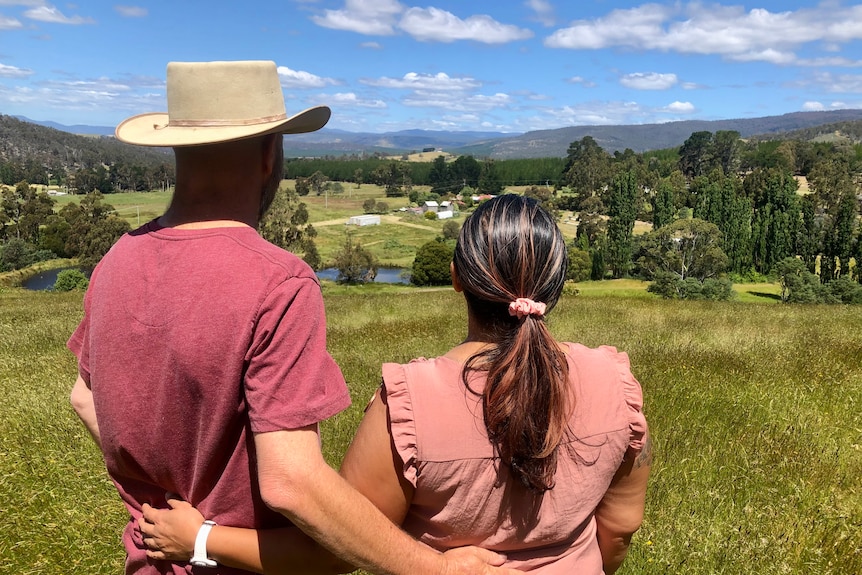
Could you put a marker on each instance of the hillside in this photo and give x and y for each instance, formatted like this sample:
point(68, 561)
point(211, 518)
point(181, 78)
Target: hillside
point(22, 141)
point(645, 137)
point(25, 142)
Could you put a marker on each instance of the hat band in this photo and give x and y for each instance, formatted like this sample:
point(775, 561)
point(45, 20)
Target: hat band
point(220, 123)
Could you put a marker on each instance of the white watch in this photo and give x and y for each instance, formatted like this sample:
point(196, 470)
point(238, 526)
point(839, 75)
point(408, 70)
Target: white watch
point(200, 559)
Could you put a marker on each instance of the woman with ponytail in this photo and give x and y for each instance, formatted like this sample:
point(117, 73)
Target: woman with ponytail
point(510, 441)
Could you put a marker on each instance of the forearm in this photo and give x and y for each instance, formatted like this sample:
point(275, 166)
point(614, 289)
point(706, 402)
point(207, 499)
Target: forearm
point(272, 551)
point(81, 399)
point(341, 520)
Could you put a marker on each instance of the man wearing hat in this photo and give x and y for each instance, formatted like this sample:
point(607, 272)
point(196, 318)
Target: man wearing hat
point(203, 369)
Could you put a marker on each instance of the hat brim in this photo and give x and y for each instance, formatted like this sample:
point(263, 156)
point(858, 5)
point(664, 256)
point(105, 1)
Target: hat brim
point(153, 129)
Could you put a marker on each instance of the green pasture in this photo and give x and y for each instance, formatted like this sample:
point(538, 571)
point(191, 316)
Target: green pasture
point(755, 410)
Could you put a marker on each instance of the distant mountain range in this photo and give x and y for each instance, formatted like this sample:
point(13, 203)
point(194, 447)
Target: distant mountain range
point(540, 143)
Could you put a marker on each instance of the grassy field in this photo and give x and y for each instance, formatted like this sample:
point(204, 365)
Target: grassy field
point(755, 409)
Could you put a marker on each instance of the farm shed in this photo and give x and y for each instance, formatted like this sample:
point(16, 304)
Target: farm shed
point(365, 220)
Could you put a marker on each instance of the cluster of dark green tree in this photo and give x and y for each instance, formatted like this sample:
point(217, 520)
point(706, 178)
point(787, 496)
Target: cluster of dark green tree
point(119, 177)
point(444, 177)
point(31, 230)
point(718, 206)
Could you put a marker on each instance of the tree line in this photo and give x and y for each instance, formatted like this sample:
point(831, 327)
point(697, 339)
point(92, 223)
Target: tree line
point(720, 208)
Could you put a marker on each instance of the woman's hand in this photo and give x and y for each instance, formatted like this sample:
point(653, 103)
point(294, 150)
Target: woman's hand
point(170, 533)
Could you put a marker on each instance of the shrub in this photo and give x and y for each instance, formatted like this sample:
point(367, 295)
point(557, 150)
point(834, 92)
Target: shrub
point(431, 265)
point(71, 279)
point(430, 215)
point(369, 205)
point(670, 286)
point(570, 287)
point(580, 265)
point(451, 229)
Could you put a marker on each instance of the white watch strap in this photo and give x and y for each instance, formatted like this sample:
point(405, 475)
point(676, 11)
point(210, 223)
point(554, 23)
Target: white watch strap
point(200, 559)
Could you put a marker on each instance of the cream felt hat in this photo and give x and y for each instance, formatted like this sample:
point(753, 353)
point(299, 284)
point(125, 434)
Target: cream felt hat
point(212, 102)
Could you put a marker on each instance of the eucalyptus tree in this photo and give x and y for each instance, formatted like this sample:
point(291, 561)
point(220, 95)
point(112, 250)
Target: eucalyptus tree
point(588, 168)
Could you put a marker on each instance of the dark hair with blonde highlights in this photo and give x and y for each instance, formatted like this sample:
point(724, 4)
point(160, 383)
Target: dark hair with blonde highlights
point(510, 248)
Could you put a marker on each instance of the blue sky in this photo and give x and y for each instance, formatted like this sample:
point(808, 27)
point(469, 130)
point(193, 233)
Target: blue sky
point(386, 65)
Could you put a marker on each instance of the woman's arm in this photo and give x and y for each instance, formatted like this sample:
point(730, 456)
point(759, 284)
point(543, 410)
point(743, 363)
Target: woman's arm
point(370, 466)
point(170, 534)
point(621, 510)
point(373, 467)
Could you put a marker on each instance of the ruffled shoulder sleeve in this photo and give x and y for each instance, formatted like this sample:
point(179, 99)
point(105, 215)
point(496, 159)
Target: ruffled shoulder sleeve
point(402, 425)
point(633, 395)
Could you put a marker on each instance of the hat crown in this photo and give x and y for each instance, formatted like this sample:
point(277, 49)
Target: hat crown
point(224, 93)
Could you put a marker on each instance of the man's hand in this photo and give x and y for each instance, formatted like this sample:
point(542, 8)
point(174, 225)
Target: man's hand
point(170, 533)
point(475, 561)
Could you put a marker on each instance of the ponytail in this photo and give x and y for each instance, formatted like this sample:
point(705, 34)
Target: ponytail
point(526, 401)
point(511, 262)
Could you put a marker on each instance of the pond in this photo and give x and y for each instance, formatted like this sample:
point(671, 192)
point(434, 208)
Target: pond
point(384, 275)
point(46, 279)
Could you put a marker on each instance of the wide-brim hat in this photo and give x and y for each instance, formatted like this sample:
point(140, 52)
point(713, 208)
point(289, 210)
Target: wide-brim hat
point(213, 102)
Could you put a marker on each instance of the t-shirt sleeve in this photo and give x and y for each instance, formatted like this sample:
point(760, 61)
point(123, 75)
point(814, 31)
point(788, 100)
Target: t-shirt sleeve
point(291, 380)
point(633, 395)
point(402, 425)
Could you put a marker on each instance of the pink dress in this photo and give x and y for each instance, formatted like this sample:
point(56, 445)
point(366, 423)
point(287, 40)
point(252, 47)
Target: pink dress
point(463, 495)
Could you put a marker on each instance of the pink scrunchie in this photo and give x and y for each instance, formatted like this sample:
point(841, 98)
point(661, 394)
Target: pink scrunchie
point(522, 307)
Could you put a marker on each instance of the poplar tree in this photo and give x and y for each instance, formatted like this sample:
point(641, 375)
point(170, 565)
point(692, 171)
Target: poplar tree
point(622, 209)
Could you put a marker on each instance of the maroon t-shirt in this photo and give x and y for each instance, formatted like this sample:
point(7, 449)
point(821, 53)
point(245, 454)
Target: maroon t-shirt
point(192, 341)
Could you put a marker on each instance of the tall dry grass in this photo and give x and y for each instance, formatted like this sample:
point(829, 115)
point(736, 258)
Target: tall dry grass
point(755, 409)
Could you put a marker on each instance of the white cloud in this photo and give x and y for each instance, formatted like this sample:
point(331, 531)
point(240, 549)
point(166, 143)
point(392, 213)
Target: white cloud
point(813, 106)
point(384, 17)
point(299, 79)
point(351, 99)
point(440, 82)
point(680, 107)
point(131, 11)
point(544, 11)
point(838, 83)
point(648, 81)
point(457, 103)
point(9, 23)
point(370, 17)
point(371, 45)
point(581, 81)
point(728, 31)
point(442, 26)
point(13, 72)
point(94, 95)
point(589, 113)
point(52, 15)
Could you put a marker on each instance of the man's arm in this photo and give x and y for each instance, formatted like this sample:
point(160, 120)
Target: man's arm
point(82, 402)
point(296, 481)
